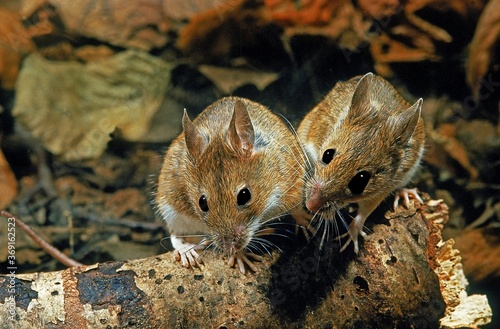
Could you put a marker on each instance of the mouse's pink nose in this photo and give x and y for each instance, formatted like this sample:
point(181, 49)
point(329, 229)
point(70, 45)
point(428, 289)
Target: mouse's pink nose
point(315, 199)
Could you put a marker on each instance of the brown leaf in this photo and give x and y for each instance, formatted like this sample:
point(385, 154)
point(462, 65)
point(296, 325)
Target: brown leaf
point(73, 108)
point(124, 201)
point(229, 79)
point(445, 147)
point(480, 249)
point(221, 29)
point(8, 183)
point(413, 40)
point(312, 12)
point(379, 9)
point(403, 36)
point(384, 49)
point(141, 24)
point(14, 43)
point(482, 46)
point(337, 20)
point(462, 7)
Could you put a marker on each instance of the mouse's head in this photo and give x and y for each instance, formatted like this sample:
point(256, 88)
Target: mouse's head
point(361, 156)
point(237, 181)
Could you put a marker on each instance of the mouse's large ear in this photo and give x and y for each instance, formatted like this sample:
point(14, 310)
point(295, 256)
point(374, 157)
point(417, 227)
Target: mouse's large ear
point(405, 123)
point(360, 103)
point(240, 134)
point(195, 141)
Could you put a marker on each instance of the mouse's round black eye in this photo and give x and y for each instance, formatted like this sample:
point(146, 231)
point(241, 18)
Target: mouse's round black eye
point(243, 196)
point(203, 202)
point(328, 156)
point(359, 181)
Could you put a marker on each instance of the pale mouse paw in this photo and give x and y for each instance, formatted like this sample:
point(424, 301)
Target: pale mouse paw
point(405, 194)
point(355, 230)
point(241, 257)
point(352, 237)
point(186, 252)
point(188, 258)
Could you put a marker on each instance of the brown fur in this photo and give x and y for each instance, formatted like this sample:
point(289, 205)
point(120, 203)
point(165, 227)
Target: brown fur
point(372, 129)
point(234, 143)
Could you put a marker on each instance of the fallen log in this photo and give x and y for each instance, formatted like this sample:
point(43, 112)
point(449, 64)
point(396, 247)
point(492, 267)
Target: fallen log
point(404, 277)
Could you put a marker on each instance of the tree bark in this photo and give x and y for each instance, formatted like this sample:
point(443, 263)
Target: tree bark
point(391, 283)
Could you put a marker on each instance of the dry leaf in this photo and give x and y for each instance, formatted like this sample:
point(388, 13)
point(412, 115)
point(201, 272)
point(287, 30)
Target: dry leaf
point(462, 7)
point(141, 24)
point(337, 20)
point(14, 43)
point(308, 12)
point(125, 201)
point(480, 250)
point(444, 140)
point(73, 108)
point(8, 183)
point(93, 53)
point(482, 46)
point(229, 79)
point(403, 36)
point(229, 27)
point(384, 49)
point(380, 9)
point(183, 10)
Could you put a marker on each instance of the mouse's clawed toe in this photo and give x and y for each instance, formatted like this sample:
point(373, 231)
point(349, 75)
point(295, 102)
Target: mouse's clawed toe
point(186, 253)
point(355, 230)
point(348, 242)
point(405, 194)
point(189, 258)
point(241, 257)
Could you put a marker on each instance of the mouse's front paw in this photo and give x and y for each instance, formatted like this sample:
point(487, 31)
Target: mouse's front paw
point(353, 235)
point(241, 257)
point(186, 252)
point(355, 230)
point(405, 194)
point(188, 258)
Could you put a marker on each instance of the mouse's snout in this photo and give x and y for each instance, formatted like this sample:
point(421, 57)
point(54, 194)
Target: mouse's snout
point(315, 200)
point(234, 239)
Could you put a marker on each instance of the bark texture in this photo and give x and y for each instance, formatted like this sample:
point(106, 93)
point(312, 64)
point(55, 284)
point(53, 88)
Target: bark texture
point(391, 283)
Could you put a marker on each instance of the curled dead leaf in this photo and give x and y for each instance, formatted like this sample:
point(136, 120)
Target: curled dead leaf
point(140, 24)
point(480, 249)
point(14, 43)
point(337, 20)
point(8, 183)
point(229, 79)
point(482, 46)
point(313, 12)
point(445, 141)
point(73, 108)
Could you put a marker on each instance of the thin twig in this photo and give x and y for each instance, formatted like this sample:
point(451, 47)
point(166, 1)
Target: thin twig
point(50, 249)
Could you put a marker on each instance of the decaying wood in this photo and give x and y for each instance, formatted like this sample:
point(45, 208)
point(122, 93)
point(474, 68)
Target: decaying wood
point(392, 283)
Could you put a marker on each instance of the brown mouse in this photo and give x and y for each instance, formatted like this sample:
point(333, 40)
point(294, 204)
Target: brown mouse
point(233, 170)
point(365, 141)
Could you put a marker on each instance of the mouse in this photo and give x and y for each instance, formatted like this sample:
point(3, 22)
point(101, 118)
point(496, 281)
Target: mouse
point(365, 142)
point(232, 172)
